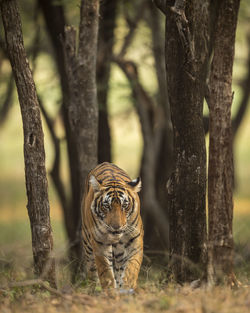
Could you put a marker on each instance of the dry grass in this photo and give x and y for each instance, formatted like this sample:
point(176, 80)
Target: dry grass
point(148, 298)
point(153, 295)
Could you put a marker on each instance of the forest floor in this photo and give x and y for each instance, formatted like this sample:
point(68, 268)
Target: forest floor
point(148, 298)
point(154, 293)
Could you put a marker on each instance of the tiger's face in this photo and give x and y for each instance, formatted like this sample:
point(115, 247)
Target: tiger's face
point(113, 206)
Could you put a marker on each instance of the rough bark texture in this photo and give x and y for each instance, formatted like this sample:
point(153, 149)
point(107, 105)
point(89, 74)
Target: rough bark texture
point(34, 155)
point(220, 173)
point(82, 105)
point(186, 64)
point(105, 47)
point(83, 99)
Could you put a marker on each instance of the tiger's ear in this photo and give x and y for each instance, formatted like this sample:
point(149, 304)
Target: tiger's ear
point(135, 184)
point(96, 185)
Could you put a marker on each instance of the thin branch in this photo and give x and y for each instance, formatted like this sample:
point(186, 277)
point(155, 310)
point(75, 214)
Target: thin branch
point(55, 171)
point(144, 106)
point(33, 282)
point(5, 107)
point(245, 98)
point(130, 70)
point(132, 27)
point(163, 110)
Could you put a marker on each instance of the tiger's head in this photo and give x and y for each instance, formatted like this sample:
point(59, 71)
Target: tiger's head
point(114, 204)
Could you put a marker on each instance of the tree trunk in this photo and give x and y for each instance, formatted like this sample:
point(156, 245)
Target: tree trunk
point(220, 172)
point(186, 64)
point(105, 52)
point(34, 155)
point(82, 106)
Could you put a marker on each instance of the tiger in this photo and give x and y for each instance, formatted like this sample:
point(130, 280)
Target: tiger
point(112, 229)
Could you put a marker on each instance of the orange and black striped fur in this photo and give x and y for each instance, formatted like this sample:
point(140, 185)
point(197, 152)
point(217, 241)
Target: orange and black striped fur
point(112, 227)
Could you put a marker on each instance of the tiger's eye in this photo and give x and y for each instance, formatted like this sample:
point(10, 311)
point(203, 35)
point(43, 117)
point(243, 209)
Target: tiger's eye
point(125, 205)
point(105, 205)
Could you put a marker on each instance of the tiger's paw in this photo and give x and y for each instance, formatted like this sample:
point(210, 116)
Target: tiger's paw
point(129, 291)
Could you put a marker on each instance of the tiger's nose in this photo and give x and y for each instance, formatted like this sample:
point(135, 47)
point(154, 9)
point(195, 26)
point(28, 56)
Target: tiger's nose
point(116, 226)
point(117, 229)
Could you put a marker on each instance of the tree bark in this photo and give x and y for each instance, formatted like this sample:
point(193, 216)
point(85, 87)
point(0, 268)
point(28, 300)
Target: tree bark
point(220, 171)
point(82, 105)
point(186, 68)
point(34, 154)
point(83, 99)
point(104, 57)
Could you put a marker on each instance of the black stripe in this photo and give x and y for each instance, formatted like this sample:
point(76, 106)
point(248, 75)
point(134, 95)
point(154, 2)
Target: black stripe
point(119, 187)
point(105, 270)
point(132, 208)
point(132, 253)
point(121, 193)
point(102, 172)
point(119, 255)
point(134, 220)
point(87, 247)
point(131, 240)
point(96, 225)
point(95, 205)
point(99, 242)
point(87, 235)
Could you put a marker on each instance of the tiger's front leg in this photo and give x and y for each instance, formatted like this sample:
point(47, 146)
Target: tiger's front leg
point(104, 265)
point(132, 270)
point(127, 263)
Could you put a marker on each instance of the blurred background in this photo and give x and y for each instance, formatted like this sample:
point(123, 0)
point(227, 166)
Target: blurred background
point(123, 118)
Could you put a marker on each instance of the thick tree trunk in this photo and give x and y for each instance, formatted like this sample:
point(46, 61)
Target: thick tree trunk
point(186, 64)
point(84, 112)
point(34, 155)
point(220, 172)
point(104, 56)
point(82, 105)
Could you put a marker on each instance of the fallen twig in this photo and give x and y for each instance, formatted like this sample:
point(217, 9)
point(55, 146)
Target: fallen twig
point(32, 282)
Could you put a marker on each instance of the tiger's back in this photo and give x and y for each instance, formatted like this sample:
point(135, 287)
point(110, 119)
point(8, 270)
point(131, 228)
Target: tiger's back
point(112, 226)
